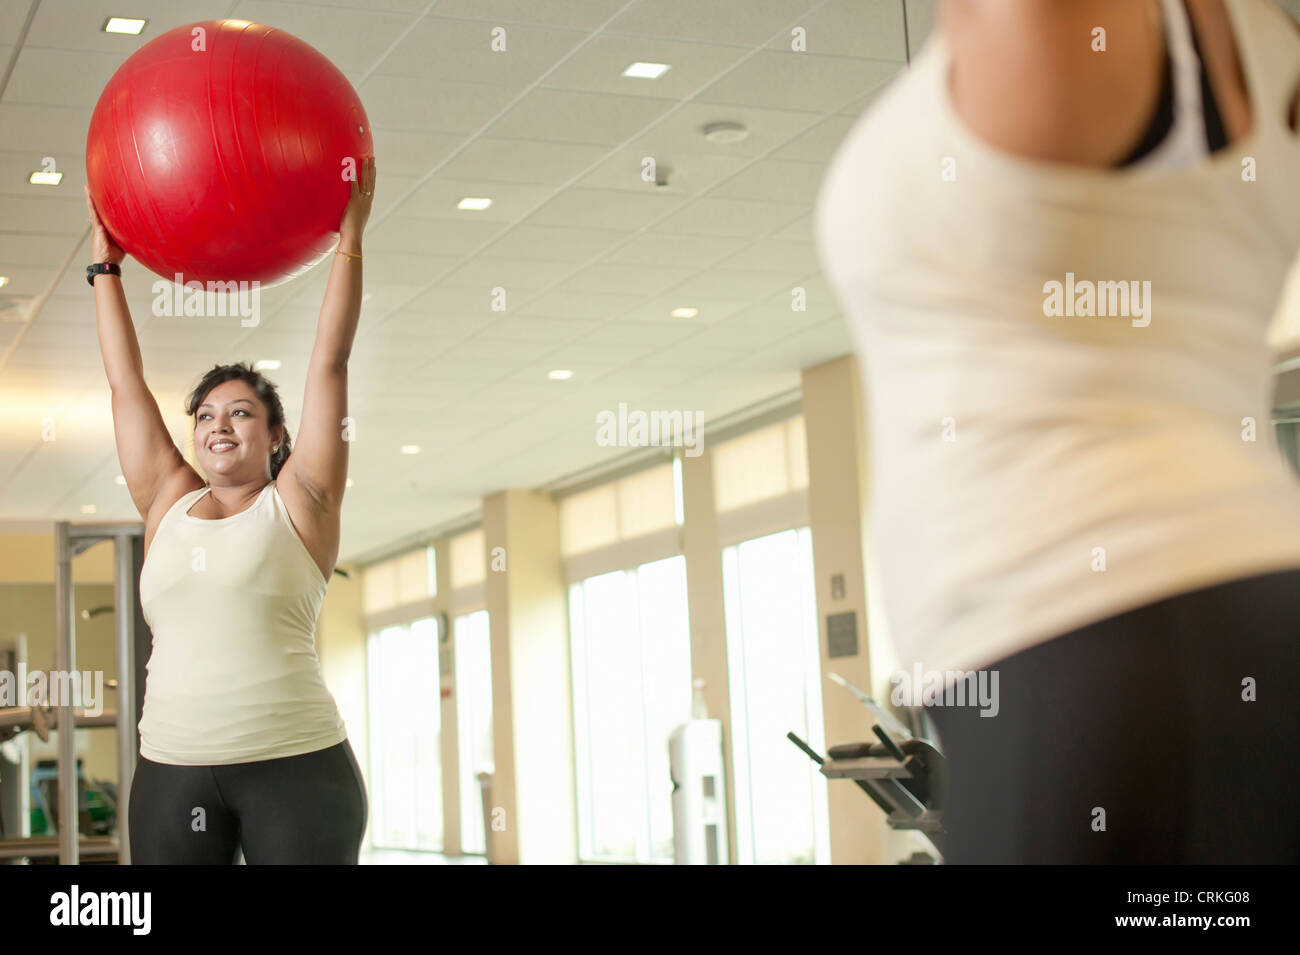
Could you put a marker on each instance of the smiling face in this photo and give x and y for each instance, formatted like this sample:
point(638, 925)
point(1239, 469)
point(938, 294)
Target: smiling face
point(231, 434)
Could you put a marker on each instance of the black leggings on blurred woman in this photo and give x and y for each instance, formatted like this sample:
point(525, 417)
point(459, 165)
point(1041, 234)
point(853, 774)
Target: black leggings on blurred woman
point(1143, 716)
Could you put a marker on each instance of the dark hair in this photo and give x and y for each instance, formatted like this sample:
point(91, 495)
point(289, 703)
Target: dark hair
point(265, 390)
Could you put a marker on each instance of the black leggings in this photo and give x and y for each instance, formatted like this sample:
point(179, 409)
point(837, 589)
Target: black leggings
point(292, 810)
point(1142, 716)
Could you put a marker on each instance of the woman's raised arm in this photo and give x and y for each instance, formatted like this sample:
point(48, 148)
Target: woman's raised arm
point(151, 462)
point(319, 460)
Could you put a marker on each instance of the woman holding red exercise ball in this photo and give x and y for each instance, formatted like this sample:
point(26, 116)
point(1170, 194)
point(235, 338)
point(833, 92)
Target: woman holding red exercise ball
point(241, 743)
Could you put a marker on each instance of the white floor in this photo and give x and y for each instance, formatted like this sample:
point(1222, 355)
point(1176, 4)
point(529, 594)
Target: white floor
point(403, 857)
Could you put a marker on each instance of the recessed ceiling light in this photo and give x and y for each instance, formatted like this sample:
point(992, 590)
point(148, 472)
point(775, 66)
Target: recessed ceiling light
point(4, 280)
point(559, 374)
point(410, 449)
point(128, 25)
point(266, 364)
point(685, 312)
point(473, 203)
point(725, 132)
point(88, 508)
point(647, 71)
point(45, 178)
point(119, 480)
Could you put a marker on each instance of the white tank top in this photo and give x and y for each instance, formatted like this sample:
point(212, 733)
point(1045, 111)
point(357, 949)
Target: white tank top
point(1185, 142)
point(1031, 474)
point(233, 604)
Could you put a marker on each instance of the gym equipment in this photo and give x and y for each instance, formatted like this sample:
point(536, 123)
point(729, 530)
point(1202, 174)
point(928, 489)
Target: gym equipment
point(42, 719)
point(133, 642)
point(217, 151)
point(695, 764)
point(903, 774)
point(16, 719)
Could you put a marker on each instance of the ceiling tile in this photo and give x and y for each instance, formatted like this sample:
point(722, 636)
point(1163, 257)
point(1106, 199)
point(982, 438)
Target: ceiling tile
point(412, 234)
point(851, 28)
point(599, 65)
point(684, 174)
point(583, 14)
point(542, 330)
point(552, 243)
point(521, 161)
point(923, 14)
point(774, 255)
point(639, 333)
point(410, 103)
point(441, 48)
point(818, 143)
point(684, 355)
point(17, 167)
point(652, 248)
point(437, 199)
point(624, 279)
point(405, 153)
point(353, 40)
point(66, 25)
point(32, 251)
point(798, 81)
point(58, 131)
point(60, 77)
point(602, 119)
point(604, 209)
point(485, 350)
point(773, 180)
point(512, 275)
point(743, 22)
point(682, 130)
point(591, 305)
point(25, 281)
point(660, 309)
point(730, 217)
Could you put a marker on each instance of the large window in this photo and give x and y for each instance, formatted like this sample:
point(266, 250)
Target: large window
point(405, 734)
point(404, 706)
point(631, 657)
point(774, 667)
point(474, 722)
point(399, 581)
point(773, 653)
point(632, 687)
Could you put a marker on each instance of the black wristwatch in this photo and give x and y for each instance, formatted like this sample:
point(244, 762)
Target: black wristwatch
point(101, 268)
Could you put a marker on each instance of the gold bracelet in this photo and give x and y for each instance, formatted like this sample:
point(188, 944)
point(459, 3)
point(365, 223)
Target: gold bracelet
point(350, 255)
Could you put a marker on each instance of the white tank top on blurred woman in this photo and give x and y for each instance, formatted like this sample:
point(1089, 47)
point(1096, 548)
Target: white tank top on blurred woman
point(1031, 474)
point(232, 604)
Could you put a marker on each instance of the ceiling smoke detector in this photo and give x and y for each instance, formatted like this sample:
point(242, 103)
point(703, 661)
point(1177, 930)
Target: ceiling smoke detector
point(725, 132)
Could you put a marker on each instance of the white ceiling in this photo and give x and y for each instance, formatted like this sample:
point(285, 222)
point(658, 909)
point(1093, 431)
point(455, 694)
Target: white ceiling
point(593, 258)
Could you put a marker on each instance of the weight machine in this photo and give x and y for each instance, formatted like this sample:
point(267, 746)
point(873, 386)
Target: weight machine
point(132, 643)
point(902, 773)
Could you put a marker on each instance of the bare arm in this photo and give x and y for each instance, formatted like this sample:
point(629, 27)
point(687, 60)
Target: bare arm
point(319, 460)
point(151, 463)
point(1028, 77)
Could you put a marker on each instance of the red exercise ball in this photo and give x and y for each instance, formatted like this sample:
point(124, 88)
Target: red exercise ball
point(217, 151)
